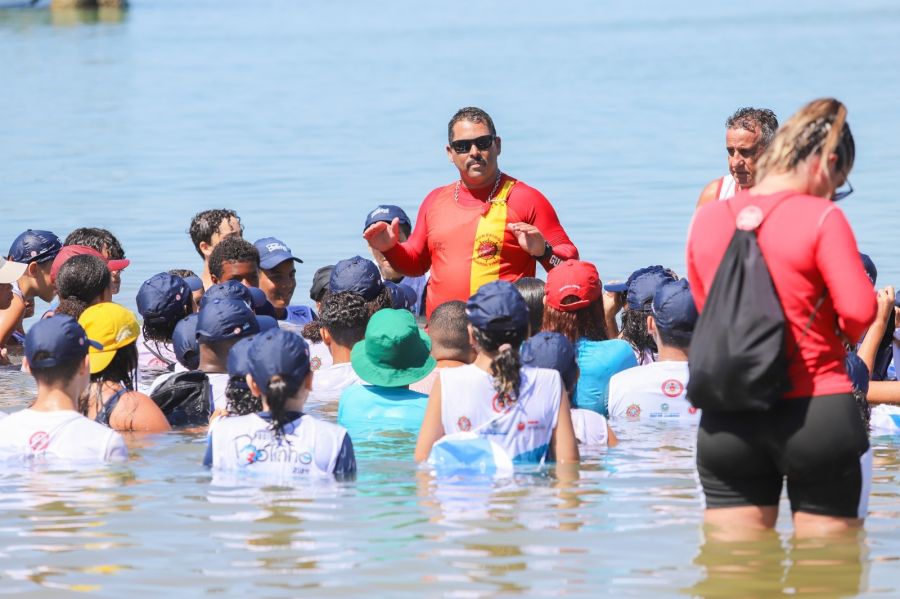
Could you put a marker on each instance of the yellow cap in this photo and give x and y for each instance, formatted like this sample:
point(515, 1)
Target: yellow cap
point(110, 325)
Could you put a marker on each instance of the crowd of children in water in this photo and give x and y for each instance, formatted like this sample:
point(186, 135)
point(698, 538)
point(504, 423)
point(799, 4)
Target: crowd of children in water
point(523, 372)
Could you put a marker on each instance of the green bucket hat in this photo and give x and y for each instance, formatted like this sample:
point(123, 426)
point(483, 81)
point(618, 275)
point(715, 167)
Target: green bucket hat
point(394, 352)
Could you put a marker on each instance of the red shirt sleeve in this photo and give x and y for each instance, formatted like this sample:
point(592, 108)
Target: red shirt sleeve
point(412, 258)
point(837, 258)
point(542, 215)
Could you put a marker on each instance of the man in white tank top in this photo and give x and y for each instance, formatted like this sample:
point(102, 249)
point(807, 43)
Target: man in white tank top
point(748, 133)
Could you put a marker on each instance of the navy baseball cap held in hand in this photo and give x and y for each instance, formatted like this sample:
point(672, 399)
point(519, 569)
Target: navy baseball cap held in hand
point(278, 352)
point(223, 319)
point(185, 344)
point(641, 286)
point(232, 290)
point(674, 310)
point(163, 297)
point(358, 275)
point(498, 306)
point(34, 246)
point(387, 213)
point(273, 252)
point(552, 350)
point(55, 341)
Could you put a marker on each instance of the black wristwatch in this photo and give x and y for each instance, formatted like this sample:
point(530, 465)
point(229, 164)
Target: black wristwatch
point(548, 251)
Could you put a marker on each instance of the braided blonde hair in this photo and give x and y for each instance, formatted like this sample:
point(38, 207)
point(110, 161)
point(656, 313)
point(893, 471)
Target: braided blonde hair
point(820, 128)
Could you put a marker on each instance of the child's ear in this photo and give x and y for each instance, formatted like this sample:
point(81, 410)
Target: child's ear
point(254, 388)
point(307, 382)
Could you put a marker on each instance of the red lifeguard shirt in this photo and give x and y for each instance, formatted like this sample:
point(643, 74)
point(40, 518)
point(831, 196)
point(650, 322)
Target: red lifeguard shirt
point(466, 244)
point(809, 248)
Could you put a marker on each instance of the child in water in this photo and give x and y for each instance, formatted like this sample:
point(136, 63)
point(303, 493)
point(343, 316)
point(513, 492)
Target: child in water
point(280, 440)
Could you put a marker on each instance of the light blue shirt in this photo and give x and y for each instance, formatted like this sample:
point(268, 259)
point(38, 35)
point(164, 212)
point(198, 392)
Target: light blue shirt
point(365, 410)
point(598, 361)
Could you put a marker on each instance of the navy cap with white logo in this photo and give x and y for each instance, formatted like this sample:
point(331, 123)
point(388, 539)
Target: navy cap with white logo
point(278, 352)
point(163, 297)
point(358, 275)
point(227, 290)
point(386, 213)
point(34, 246)
point(273, 252)
point(56, 340)
point(498, 306)
point(223, 319)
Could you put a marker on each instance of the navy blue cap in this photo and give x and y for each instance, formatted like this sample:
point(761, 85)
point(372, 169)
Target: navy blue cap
point(386, 213)
point(358, 275)
point(185, 344)
point(61, 337)
point(239, 357)
point(320, 283)
point(869, 265)
point(403, 297)
point(260, 303)
point(552, 350)
point(223, 319)
point(641, 286)
point(266, 322)
point(163, 297)
point(194, 282)
point(273, 252)
point(278, 352)
point(227, 290)
point(857, 371)
point(674, 310)
point(498, 306)
point(34, 246)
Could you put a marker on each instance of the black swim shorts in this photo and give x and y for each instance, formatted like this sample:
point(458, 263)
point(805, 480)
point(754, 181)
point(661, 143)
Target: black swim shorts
point(743, 457)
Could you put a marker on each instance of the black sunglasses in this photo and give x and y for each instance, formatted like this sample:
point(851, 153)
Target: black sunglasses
point(840, 194)
point(462, 146)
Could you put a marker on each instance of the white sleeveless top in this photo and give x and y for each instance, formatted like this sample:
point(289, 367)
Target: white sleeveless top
point(309, 447)
point(727, 188)
point(523, 430)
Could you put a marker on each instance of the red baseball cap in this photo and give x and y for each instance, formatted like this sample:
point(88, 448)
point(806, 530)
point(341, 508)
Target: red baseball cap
point(573, 277)
point(68, 251)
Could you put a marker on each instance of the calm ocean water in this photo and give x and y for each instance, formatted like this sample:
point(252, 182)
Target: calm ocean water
point(303, 116)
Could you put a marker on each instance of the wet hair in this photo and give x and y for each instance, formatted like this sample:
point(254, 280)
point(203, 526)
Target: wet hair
point(448, 328)
point(54, 375)
point(240, 401)
point(507, 363)
point(206, 224)
point(80, 281)
point(818, 129)
point(532, 291)
point(345, 316)
point(98, 239)
point(634, 331)
point(122, 369)
point(472, 114)
point(182, 272)
point(279, 391)
point(755, 120)
point(584, 323)
point(232, 249)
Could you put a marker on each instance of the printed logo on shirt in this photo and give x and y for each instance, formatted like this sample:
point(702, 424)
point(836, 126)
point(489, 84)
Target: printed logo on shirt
point(247, 454)
point(692, 410)
point(521, 426)
point(488, 252)
point(499, 403)
point(672, 388)
point(315, 363)
point(39, 441)
point(664, 407)
point(464, 424)
point(266, 447)
point(633, 412)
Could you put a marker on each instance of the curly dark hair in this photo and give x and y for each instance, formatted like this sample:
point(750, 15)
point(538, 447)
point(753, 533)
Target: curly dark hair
point(345, 316)
point(473, 114)
point(80, 281)
point(634, 331)
point(205, 224)
point(98, 239)
point(232, 249)
point(240, 401)
point(588, 322)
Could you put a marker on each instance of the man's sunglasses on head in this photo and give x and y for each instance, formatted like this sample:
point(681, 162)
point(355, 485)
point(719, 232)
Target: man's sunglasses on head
point(462, 146)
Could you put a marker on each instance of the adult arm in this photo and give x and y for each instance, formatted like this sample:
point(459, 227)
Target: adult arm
point(10, 319)
point(412, 257)
point(850, 289)
point(709, 193)
point(884, 392)
point(693, 274)
point(432, 428)
point(547, 222)
point(563, 441)
point(137, 412)
point(868, 349)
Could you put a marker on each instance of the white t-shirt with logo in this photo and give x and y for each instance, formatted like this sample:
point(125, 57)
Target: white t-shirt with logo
point(590, 427)
point(319, 356)
point(329, 382)
point(652, 392)
point(62, 435)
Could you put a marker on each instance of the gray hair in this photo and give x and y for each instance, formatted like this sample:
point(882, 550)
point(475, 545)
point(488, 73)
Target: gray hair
point(760, 120)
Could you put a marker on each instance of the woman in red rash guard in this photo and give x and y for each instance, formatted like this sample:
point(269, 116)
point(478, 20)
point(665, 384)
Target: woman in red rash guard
point(813, 435)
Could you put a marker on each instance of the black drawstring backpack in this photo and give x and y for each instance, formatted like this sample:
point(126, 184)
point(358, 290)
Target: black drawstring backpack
point(737, 356)
point(185, 398)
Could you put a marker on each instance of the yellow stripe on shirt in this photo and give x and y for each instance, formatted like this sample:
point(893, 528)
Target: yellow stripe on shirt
point(489, 241)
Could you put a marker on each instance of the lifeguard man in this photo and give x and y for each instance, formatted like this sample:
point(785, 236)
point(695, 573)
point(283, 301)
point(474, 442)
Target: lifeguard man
point(748, 132)
point(485, 226)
